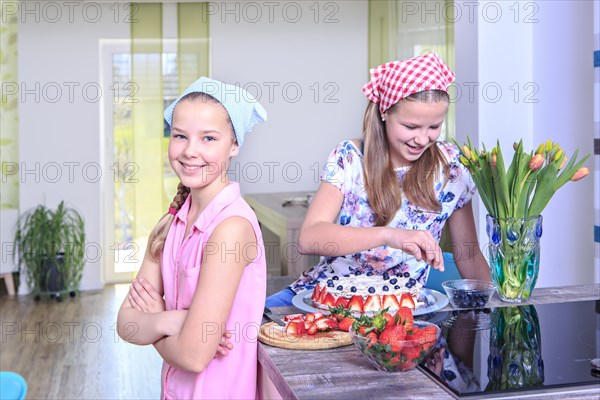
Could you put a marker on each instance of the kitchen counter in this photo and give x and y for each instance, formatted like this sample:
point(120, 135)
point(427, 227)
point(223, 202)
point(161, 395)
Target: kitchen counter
point(343, 373)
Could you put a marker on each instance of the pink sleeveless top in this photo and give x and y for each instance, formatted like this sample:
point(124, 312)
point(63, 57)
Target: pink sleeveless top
point(232, 376)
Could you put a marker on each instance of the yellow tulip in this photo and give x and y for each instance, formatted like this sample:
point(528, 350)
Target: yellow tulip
point(580, 174)
point(555, 148)
point(548, 145)
point(540, 149)
point(463, 160)
point(536, 162)
point(558, 155)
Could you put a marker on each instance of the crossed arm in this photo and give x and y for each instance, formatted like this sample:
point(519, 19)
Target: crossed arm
point(190, 339)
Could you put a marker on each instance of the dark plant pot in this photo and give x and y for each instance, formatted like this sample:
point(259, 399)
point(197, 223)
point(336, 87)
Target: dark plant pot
point(55, 281)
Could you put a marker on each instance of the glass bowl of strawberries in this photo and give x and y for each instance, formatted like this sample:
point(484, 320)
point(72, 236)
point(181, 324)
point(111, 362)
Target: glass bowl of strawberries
point(394, 343)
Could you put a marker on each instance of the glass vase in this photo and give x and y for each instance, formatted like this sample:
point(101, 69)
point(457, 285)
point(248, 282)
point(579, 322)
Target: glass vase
point(514, 255)
point(515, 358)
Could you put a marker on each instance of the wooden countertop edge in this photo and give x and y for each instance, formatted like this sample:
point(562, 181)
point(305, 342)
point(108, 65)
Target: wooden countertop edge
point(274, 374)
point(585, 292)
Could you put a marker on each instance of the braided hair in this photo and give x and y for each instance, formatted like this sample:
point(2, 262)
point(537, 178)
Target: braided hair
point(158, 236)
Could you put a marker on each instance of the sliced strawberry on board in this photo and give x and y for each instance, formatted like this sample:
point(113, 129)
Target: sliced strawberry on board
point(356, 303)
point(341, 301)
point(309, 317)
point(295, 328)
point(372, 303)
point(407, 301)
point(312, 329)
point(326, 323)
point(318, 315)
point(390, 301)
point(346, 324)
point(291, 317)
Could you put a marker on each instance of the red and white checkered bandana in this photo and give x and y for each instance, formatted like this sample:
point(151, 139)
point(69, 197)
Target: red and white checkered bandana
point(395, 80)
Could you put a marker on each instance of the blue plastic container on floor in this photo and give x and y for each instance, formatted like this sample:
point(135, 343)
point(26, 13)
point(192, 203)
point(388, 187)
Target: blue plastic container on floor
point(12, 386)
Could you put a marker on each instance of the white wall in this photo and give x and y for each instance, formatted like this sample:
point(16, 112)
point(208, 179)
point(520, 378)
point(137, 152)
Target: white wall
point(276, 52)
point(316, 58)
point(564, 71)
point(546, 51)
point(59, 134)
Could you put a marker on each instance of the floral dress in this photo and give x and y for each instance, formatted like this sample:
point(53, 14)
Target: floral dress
point(344, 170)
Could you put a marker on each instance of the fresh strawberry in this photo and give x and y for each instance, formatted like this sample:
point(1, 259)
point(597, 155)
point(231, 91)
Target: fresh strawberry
point(316, 293)
point(291, 317)
point(393, 335)
point(373, 303)
point(346, 324)
point(407, 301)
point(371, 338)
point(405, 317)
point(356, 303)
point(328, 301)
point(362, 330)
point(429, 334)
point(390, 301)
point(318, 315)
point(312, 329)
point(341, 301)
point(326, 323)
point(309, 317)
point(389, 318)
point(295, 328)
point(411, 351)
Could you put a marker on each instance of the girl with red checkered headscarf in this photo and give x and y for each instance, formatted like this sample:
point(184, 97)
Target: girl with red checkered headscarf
point(385, 198)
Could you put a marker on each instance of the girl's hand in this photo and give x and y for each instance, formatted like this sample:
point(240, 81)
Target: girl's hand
point(143, 297)
point(419, 243)
point(224, 346)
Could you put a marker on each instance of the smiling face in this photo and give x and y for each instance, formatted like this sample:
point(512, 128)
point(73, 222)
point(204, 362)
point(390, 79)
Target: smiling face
point(413, 126)
point(201, 144)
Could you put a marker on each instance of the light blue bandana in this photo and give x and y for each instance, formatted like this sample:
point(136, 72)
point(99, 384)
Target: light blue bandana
point(244, 110)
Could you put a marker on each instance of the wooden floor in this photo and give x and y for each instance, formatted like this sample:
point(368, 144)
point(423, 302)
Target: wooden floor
point(70, 350)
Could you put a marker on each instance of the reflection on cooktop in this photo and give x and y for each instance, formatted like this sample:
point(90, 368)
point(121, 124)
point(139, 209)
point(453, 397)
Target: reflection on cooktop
point(519, 348)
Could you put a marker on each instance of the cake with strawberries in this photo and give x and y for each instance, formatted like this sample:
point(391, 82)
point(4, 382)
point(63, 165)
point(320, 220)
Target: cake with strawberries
point(368, 292)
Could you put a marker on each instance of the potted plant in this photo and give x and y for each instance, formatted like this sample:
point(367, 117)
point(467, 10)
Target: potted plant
point(50, 243)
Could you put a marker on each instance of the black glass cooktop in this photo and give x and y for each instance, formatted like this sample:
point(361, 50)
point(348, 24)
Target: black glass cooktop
point(509, 350)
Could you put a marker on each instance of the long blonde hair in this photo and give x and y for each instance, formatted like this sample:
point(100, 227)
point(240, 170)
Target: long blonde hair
point(158, 236)
point(384, 190)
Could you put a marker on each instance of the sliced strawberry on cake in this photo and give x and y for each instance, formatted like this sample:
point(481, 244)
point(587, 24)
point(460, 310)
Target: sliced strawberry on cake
point(390, 301)
point(356, 303)
point(372, 303)
point(407, 301)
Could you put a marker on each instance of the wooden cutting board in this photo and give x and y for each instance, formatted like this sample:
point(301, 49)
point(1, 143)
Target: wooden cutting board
point(274, 335)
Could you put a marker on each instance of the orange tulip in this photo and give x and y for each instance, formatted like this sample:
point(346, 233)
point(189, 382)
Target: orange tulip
point(580, 174)
point(536, 162)
point(494, 160)
point(564, 161)
point(466, 151)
